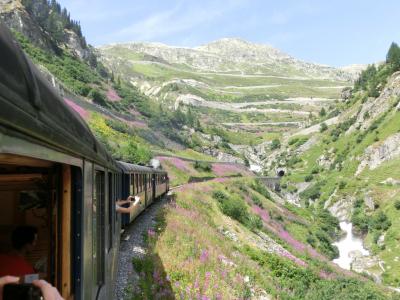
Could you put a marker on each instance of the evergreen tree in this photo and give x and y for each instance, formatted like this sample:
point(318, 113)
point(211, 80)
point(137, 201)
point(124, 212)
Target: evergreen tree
point(393, 57)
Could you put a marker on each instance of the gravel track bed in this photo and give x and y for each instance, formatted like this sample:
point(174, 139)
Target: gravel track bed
point(127, 278)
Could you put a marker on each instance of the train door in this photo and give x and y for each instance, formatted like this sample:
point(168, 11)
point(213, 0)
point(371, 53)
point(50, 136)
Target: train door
point(36, 200)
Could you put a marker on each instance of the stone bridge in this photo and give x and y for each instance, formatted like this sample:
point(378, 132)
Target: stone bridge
point(274, 183)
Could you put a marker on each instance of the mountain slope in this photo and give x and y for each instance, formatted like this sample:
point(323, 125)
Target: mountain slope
point(350, 168)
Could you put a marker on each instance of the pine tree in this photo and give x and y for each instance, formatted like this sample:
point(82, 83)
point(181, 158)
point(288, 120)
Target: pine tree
point(393, 57)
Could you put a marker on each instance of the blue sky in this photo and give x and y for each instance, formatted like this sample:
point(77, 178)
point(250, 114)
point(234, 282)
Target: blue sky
point(329, 32)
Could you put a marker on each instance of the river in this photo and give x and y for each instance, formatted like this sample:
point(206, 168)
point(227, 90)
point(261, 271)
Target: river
point(348, 244)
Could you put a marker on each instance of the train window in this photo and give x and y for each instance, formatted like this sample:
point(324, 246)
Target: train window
point(137, 182)
point(111, 207)
point(98, 228)
point(131, 190)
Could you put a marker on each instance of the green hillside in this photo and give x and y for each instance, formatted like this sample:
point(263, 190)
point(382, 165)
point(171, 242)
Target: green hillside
point(354, 164)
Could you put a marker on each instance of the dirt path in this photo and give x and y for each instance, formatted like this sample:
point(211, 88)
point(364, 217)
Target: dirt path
point(132, 245)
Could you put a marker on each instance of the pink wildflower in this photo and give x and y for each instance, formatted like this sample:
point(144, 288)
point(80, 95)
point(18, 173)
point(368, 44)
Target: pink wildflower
point(112, 95)
point(261, 212)
point(204, 256)
point(80, 110)
point(207, 281)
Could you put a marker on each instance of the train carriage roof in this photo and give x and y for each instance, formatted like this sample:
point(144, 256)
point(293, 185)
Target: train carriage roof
point(30, 108)
point(131, 168)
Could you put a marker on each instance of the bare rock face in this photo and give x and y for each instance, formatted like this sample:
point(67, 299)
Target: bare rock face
point(342, 209)
point(14, 15)
point(369, 202)
point(222, 156)
point(391, 181)
point(374, 107)
point(379, 153)
point(73, 42)
point(363, 264)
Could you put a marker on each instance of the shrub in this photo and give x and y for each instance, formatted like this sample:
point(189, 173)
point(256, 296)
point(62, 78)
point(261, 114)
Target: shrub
point(202, 166)
point(312, 192)
point(257, 201)
point(308, 178)
point(397, 204)
point(275, 144)
point(342, 185)
point(232, 206)
point(97, 97)
point(219, 195)
point(380, 222)
point(292, 161)
point(323, 127)
point(259, 187)
point(311, 240)
point(315, 170)
point(255, 222)
point(293, 141)
point(325, 245)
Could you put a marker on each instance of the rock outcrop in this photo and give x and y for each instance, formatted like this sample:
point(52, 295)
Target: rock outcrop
point(379, 153)
point(374, 107)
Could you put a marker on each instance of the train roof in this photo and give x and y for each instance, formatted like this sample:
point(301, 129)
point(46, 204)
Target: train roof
point(32, 109)
point(131, 168)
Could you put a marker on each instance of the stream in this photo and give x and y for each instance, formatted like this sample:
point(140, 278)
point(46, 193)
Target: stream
point(348, 244)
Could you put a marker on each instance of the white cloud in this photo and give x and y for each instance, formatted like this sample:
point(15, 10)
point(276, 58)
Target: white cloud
point(175, 20)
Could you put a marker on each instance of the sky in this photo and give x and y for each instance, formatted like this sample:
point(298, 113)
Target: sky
point(335, 33)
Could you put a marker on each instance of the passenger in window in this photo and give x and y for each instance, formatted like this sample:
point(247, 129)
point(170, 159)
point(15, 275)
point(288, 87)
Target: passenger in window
point(127, 210)
point(23, 240)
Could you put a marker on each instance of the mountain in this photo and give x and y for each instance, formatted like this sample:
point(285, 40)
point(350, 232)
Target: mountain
point(236, 56)
point(246, 94)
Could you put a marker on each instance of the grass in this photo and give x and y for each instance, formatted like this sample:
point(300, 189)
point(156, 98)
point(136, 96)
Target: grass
point(221, 259)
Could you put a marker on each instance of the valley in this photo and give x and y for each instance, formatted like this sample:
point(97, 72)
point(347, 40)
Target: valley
point(220, 118)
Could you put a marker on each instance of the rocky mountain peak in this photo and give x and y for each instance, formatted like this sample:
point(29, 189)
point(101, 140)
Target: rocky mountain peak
point(243, 50)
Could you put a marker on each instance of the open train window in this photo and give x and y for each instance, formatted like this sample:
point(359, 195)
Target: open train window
point(98, 228)
point(111, 208)
point(37, 193)
point(131, 185)
point(137, 182)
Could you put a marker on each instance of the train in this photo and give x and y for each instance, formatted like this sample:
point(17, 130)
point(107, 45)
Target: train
point(55, 175)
